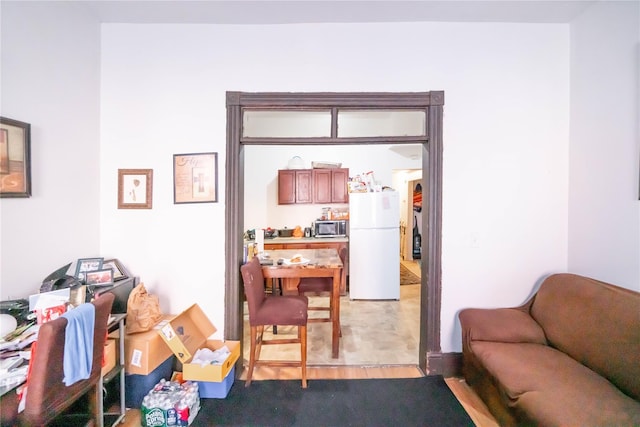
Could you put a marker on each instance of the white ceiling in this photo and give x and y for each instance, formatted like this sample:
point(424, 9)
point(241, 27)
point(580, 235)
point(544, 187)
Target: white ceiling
point(313, 11)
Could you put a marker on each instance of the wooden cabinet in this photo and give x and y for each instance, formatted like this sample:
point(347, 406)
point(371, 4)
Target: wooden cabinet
point(330, 185)
point(295, 186)
point(312, 186)
point(339, 178)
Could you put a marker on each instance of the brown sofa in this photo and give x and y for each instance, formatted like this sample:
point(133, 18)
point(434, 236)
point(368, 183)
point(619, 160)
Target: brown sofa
point(570, 356)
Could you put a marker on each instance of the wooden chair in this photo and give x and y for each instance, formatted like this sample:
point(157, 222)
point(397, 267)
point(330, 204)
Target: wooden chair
point(323, 285)
point(47, 395)
point(265, 310)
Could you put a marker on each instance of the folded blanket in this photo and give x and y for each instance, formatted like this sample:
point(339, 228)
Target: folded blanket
point(78, 345)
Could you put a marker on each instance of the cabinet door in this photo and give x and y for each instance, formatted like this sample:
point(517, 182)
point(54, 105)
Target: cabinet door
point(273, 246)
point(304, 186)
point(339, 178)
point(286, 187)
point(322, 186)
point(296, 246)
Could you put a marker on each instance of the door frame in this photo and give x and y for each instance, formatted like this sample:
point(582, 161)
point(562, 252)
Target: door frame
point(431, 360)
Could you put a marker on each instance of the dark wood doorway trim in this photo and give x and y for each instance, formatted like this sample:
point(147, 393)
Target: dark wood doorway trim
point(431, 359)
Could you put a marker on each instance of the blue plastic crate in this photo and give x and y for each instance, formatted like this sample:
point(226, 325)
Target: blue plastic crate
point(217, 390)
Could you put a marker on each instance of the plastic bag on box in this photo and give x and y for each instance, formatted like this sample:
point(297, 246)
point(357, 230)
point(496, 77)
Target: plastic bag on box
point(143, 310)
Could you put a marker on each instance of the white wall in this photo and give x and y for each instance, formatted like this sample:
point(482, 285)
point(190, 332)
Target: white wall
point(604, 211)
point(505, 141)
point(50, 58)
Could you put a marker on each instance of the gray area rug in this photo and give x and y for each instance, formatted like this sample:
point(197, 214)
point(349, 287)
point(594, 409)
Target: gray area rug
point(407, 402)
point(407, 277)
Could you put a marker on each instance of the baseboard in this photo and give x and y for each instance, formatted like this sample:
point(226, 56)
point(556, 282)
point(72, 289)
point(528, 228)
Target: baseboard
point(445, 364)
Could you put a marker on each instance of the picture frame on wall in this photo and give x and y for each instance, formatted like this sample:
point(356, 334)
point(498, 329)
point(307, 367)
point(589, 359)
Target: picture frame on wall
point(15, 158)
point(195, 178)
point(85, 265)
point(135, 188)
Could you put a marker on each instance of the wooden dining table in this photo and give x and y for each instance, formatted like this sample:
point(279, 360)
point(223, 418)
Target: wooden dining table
point(277, 264)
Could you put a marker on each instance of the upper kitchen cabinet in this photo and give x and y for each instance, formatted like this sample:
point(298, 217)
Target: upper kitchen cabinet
point(295, 186)
point(330, 185)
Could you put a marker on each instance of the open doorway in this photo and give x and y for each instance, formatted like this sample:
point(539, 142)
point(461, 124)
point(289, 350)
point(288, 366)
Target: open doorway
point(374, 331)
point(431, 359)
point(409, 183)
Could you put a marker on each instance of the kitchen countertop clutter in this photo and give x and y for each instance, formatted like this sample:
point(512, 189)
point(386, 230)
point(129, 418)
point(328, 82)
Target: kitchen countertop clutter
point(307, 240)
point(285, 240)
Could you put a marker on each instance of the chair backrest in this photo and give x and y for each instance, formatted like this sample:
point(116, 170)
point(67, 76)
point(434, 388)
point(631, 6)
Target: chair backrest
point(253, 286)
point(47, 395)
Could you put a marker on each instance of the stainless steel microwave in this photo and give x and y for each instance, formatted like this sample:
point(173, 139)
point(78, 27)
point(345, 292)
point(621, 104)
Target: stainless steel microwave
point(331, 228)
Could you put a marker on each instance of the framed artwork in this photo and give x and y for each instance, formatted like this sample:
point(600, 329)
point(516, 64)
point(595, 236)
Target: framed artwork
point(135, 187)
point(85, 265)
point(99, 277)
point(195, 178)
point(15, 158)
point(119, 272)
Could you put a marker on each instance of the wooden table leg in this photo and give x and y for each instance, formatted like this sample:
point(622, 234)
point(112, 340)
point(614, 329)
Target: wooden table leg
point(335, 315)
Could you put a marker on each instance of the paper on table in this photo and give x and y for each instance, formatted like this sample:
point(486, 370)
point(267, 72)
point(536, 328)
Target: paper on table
point(49, 299)
point(290, 262)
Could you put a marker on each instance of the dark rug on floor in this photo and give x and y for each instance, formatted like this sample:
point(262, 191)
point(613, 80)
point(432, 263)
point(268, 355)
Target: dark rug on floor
point(407, 277)
point(425, 401)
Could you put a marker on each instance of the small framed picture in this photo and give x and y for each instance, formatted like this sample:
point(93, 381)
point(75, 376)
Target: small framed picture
point(119, 272)
point(87, 264)
point(15, 158)
point(135, 188)
point(195, 178)
point(99, 277)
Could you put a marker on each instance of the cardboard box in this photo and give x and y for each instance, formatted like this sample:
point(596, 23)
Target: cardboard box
point(109, 356)
point(188, 332)
point(145, 351)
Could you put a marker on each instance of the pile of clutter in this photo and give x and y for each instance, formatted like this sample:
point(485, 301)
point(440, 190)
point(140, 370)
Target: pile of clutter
point(365, 183)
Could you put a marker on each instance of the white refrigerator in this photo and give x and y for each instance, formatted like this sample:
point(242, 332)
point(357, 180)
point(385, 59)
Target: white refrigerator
point(374, 246)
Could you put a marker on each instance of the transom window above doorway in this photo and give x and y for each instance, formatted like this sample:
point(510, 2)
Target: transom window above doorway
point(333, 123)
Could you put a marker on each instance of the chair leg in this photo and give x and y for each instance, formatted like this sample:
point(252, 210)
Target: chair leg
point(275, 284)
point(302, 332)
point(254, 347)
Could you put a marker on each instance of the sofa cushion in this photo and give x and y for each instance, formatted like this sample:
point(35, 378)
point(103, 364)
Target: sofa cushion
point(595, 323)
point(501, 324)
point(549, 388)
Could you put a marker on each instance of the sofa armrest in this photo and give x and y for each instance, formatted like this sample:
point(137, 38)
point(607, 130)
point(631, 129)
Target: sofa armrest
point(500, 325)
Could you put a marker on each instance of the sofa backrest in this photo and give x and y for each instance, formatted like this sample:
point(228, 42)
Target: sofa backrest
point(595, 323)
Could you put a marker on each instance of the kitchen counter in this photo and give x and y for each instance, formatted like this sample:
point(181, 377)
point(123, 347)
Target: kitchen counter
point(307, 240)
point(285, 240)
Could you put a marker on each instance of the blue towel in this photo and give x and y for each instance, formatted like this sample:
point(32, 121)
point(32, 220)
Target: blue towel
point(78, 344)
